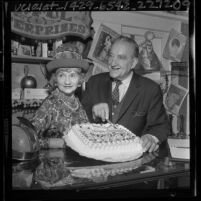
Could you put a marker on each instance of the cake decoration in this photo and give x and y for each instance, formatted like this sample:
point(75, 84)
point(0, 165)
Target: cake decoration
point(106, 142)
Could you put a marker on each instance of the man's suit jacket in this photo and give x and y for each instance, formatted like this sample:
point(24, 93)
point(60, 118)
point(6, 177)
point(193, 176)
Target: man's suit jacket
point(142, 111)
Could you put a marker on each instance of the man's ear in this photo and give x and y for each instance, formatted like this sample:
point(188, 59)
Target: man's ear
point(135, 61)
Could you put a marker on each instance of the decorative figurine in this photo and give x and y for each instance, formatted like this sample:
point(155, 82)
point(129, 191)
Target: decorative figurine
point(28, 81)
point(147, 56)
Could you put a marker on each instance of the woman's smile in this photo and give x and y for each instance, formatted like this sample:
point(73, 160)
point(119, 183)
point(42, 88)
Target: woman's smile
point(116, 67)
point(68, 80)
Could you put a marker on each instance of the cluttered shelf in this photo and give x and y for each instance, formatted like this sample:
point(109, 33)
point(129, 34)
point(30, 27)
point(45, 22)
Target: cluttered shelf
point(23, 104)
point(30, 59)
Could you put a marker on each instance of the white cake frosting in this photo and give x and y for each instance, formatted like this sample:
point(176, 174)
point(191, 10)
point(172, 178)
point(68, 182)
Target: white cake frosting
point(106, 142)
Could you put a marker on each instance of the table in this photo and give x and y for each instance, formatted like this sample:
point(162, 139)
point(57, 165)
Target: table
point(68, 170)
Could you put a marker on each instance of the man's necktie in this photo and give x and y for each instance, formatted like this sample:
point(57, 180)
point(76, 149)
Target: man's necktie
point(115, 92)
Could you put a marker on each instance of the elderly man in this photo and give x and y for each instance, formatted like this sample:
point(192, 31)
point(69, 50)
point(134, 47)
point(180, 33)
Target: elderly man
point(126, 98)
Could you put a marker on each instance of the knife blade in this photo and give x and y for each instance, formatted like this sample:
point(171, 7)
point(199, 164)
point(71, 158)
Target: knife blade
point(108, 121)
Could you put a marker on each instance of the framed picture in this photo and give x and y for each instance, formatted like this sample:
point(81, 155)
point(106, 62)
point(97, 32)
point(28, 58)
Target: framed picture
point(175, 46)
point(14, 47)
point(150, 42)
point(24, 50)
point(179, 73)
point(174, 98)
point(100, 47)
point(99, 69)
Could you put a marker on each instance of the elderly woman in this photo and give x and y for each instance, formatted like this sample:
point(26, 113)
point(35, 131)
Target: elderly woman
point(61, 109)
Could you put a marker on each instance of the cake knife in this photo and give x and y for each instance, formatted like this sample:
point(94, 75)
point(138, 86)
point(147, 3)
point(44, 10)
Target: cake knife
point(108, 121)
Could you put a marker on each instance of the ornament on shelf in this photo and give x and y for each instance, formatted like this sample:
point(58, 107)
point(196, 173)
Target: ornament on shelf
point(33, 51)
point(28, 81)
point(39, 50)
point(64, 38)
point(44, 49)
point(14, 47)
point(23, 39)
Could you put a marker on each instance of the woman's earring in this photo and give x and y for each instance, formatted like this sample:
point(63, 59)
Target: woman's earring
point(80, 82)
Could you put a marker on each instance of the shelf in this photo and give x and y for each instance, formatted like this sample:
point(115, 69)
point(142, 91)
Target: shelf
point(26, 103)
point(30, 59)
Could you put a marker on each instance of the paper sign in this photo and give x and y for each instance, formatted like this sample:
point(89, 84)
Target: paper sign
point(179, 148)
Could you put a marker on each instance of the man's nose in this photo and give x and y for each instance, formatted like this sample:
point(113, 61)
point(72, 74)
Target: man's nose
point(112, 61)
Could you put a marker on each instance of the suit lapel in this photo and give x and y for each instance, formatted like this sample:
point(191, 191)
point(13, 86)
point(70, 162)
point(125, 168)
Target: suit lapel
point(106, 96)
point(105, 90)
point(131, 93)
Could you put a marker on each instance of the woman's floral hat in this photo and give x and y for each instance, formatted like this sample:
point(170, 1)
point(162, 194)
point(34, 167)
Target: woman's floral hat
point(67, 56)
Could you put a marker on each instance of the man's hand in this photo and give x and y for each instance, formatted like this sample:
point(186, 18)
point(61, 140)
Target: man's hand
point(101, 110)
point(149, 143)
point(149, 157)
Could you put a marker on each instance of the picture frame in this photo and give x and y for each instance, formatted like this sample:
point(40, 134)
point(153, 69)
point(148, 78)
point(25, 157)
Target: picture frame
point(175, 45)
point(179, 73)
point(174, 98)
point(156, 42)
point(24, 50)
point(100, 47)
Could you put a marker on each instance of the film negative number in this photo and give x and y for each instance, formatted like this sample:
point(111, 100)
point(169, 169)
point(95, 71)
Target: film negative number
point(85, 5)
point(178, 4)
point(89, 5)
point(167, 4)
point(157, 4)
point(152, 4)
point(104, 5)
point(141, 5)
point(81, 5)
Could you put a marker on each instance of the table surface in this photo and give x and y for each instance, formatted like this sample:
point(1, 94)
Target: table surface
point(65, 169)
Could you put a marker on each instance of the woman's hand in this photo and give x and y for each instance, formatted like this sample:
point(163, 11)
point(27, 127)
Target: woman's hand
point(56, 143)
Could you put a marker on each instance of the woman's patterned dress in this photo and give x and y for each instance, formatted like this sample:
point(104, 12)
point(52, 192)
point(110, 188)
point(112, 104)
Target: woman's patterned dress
point(57, 114)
